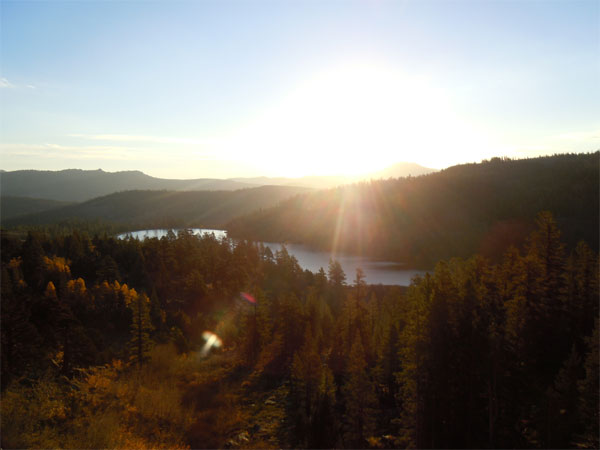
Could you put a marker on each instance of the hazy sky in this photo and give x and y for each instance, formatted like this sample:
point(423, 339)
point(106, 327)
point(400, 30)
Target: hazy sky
point(234, 88)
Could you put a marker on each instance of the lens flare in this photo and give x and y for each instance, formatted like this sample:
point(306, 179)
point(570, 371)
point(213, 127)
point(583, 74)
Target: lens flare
point(212, 340)
point(248, 297)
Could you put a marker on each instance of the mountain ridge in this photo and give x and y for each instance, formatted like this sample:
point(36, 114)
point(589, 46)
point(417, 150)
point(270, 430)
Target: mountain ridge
point(77, 185)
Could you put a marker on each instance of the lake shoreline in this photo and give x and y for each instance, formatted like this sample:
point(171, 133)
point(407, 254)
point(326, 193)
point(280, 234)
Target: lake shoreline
point(388, 273)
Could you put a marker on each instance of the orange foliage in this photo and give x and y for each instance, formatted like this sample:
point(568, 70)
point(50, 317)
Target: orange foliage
point(57, 264)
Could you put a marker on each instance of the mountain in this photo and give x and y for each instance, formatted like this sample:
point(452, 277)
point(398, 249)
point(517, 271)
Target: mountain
point(11, 207)
point(75, 185)
point(402, 169)
point(147, 209)
point(471, 208)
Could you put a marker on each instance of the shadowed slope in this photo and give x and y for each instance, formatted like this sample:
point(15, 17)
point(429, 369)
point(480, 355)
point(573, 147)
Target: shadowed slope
point(166, 208)
point(456, 212)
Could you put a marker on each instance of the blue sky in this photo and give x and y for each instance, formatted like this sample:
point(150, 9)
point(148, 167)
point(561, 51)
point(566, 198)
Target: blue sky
point(235, 88)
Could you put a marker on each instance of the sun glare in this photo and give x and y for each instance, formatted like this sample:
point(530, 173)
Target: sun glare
point(356, 119)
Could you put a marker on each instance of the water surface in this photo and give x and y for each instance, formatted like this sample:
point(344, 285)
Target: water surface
point(376, 272)
point(162, 232)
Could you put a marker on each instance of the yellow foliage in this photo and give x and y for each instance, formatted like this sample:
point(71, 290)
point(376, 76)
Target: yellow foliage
point(77, 286)
point(129, 295)
point(105, 286)
point(14, 266)
point(115, 406)
point(50, 291)
point(57, 264)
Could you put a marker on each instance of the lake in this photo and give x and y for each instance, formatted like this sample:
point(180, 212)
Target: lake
point(143, 234)
point(376, 272)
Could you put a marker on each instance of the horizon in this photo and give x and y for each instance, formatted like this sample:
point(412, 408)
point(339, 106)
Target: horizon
point(333, 175)
point(355, 177)
point(217, 90)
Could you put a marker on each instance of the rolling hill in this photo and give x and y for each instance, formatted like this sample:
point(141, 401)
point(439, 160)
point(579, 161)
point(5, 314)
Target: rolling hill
point(164, 208)
point(11, 207)
point(455, 212)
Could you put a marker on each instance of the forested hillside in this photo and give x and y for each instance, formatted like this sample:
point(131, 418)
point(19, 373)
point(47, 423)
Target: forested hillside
point(11, 207)
point(158, 209)
point(107, 344)
point(466, 209)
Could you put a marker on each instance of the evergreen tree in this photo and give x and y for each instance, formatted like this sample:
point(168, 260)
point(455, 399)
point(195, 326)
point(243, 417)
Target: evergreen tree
point(359, 399)
point(562, 414)
point(21, 346)
point(337, 281)
point(141, 326)
point(589, 396)
point(336, 274)
point(306, 376)
point(324, 428)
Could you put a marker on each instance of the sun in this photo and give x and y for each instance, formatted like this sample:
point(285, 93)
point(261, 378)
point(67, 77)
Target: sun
point(355, 119)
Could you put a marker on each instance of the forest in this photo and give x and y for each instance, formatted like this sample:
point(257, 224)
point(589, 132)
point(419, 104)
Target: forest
point(462, 210)
point(196, 342)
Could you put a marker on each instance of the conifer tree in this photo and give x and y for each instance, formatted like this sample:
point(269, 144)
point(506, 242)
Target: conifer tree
point(582, 300)
point(141, 326)
point(306, 374)
point(337, 281)
point(19, 338)
point(359, 399)
point(413, 377)
point(589, 395)
point(33, 261)
point(562, 413)
point(335, 273)
point(324, 427)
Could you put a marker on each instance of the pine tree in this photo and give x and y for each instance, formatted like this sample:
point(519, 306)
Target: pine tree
point(389, 364)
point(337, 281)
point(360, 284)
point(141, 326)
point(413, 378)
point(550, 325)
point(336, 274)
point(582, 304)
point(589, 395)
point(359, 399)
point(33, 261)
point(19, 339)
point(306, 375)
point(324, 427)
point(562, 414)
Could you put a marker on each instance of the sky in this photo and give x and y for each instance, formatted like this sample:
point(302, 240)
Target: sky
point(194, 89)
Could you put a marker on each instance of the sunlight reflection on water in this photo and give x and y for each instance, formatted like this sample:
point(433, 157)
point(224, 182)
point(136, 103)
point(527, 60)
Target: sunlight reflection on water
point(376, 272)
